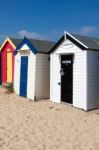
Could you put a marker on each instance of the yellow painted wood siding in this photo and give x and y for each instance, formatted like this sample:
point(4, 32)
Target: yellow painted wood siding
point(9, 67)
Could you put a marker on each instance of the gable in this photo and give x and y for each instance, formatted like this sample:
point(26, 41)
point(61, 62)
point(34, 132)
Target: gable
point(5, 42)
point(67, 47)
point(83, 42)
point(7, 47)
point(25, 45)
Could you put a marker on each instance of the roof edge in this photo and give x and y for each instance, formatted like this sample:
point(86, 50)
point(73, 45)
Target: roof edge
point(57, 44)
point(5, 41)
point(67, 35)
point(76, 39)
point(25, 41)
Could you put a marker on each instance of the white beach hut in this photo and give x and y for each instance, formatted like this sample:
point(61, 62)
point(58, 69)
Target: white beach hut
point(74, 71)
point(32, 69)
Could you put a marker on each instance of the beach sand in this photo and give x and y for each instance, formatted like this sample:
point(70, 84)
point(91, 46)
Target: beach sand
point(43, 125)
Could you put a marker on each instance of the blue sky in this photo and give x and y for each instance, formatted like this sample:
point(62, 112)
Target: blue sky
point(47, 19)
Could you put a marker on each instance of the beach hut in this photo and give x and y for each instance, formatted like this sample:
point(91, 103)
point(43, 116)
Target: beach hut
point(32, 69)
point(74, 71)
point(7, 59)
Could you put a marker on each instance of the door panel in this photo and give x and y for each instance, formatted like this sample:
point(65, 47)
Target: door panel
point(66, 78)
point(9, 67)
point(23, 76)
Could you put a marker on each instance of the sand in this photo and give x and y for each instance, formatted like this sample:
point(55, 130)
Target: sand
point(43, 125)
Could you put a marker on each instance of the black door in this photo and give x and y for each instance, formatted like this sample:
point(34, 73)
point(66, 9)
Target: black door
point(67, 78)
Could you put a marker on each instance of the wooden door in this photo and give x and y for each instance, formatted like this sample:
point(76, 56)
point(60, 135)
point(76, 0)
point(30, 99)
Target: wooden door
point(23, 76)
point(67, 78)
point(9, 67)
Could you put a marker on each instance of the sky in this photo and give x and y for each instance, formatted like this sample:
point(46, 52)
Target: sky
point(48, 19)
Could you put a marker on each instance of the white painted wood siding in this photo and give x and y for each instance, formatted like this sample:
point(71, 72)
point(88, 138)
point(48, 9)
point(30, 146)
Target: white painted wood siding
point(80, 80)
point(55, 89)
point(93, 79)
point(31, 76)
point(17, 74)
point(79, 74)
point(42, 82)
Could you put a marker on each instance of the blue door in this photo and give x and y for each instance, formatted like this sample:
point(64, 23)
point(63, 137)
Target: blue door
point(23, 76)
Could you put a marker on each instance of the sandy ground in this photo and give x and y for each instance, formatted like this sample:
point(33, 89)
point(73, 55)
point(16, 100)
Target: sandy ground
point(43, 125)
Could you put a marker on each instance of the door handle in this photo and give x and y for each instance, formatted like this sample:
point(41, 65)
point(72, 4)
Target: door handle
point(59, 83)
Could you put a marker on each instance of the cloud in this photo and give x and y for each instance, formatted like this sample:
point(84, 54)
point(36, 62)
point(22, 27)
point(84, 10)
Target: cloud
point(50, 36)
point(33, 35)
point(88, 30)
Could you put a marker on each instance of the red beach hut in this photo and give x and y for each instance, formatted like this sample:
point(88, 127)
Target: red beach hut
point(7, 59)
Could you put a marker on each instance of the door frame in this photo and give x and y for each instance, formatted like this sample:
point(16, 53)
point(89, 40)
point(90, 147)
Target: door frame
point(69, 54)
